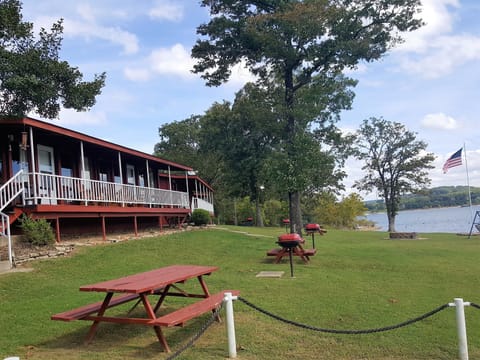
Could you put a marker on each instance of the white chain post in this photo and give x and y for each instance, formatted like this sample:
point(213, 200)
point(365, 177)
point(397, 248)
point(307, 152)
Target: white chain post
point(461, 327)
point(232, 343)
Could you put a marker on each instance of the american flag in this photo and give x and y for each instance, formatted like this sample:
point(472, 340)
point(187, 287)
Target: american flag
point(452, 161)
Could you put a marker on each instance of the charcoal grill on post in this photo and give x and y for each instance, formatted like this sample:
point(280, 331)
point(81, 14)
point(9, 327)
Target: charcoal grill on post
point(289, 242)
point(286, 222)
point(311, 229)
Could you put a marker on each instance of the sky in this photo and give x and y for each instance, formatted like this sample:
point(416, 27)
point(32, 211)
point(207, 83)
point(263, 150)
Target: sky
point(430, 83)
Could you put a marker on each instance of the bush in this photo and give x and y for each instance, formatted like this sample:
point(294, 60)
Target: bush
point(200, 217)
point(36, 232)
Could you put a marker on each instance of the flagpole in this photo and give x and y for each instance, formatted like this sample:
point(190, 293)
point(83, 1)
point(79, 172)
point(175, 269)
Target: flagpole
point(468, 181)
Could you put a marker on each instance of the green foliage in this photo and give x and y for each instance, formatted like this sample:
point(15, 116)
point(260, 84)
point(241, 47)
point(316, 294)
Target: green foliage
point(32, 78)
point(244, 209)
point(341, 214)
point(200, 217)
point(36, 232)
point(395, 162)
point(274, 211)
point(299, 49)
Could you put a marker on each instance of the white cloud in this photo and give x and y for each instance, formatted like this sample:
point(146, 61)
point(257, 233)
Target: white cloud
point(166, 10)
point(88, 29)
point(137, 75)
point(69, 117)
point(439, 121)
point(115, 35)
point(241, 75)
point(432, 51)
point(438, 20)
point(175, 60)
point(86, 12)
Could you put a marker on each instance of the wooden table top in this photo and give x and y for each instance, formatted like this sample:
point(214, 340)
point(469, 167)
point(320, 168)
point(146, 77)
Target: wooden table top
point(151, 280)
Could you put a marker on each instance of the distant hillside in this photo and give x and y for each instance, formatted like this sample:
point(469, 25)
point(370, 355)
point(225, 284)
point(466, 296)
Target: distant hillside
point(442, 196)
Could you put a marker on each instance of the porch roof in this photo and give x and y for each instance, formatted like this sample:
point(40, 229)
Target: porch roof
point(38, 124)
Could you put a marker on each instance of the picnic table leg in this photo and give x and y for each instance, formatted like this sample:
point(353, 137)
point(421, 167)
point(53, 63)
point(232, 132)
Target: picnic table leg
point(280, 255)
point(162, 297)
point(161, 338)
point(151, 315)
point(301, 252)
point(93, 328)
point(204, 286)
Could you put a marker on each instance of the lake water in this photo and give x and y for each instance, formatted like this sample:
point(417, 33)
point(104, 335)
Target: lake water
point(449, 220)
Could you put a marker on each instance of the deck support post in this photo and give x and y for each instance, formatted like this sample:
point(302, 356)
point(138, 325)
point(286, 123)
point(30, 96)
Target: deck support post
point(57, 229)
point(104, 229)
point(135, 225)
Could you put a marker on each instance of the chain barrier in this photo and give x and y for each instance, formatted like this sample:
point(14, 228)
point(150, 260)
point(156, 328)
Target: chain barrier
point(475, 305)
point(335, 331)
point(215, 314)
point(195, 337)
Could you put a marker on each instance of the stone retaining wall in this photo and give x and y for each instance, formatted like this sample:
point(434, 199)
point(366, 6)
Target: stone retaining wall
point(60, 250)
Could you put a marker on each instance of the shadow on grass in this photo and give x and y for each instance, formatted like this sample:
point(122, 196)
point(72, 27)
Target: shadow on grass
point(118, 341)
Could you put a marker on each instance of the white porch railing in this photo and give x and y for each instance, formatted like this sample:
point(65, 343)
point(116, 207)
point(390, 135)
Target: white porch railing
point(52, 188)
point(198, 203)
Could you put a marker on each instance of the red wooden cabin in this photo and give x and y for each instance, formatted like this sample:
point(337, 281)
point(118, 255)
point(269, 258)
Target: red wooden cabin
point(85, 185)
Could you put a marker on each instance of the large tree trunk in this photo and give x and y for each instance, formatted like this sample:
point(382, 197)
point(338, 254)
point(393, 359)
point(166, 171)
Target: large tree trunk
point(258, 211)
point(391, 224)
point(295, 212)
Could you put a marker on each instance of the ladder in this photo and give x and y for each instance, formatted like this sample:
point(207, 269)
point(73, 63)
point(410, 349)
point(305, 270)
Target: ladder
point(475, 222)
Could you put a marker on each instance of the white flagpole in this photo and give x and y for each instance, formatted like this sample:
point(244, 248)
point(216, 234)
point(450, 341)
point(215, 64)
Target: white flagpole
point(468, 181)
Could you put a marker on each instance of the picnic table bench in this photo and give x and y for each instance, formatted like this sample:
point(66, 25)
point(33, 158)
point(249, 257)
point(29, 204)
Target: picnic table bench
point(139, 288)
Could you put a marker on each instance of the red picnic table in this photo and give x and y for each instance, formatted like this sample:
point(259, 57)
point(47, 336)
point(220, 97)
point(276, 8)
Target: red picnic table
point(140, 288)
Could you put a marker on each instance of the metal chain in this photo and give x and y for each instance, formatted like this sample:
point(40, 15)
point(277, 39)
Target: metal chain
point(475, 305)
point(200, 332)
point(335, 331)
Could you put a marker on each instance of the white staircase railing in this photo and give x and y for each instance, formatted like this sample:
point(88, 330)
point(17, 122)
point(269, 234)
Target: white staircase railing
point(11, 189)
point(9, 192)
point(5, 223)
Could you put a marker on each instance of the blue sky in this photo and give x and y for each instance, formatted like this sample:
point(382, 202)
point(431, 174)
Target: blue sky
point(430, 83)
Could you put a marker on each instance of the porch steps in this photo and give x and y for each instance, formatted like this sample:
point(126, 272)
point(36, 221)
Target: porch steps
point(15, 214)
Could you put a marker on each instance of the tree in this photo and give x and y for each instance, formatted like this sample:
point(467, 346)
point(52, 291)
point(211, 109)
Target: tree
point(253, 133)
point(32, 77)
point(395, 162)
point(301, 47)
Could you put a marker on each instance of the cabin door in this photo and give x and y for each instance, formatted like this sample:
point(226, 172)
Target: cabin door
point(46, 185)
point(130, 174)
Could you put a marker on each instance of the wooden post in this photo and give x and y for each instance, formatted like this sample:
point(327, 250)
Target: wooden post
point(57, 229)
point(104, 229)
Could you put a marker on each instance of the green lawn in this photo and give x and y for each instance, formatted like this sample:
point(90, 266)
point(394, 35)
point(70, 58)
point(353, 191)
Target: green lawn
point(357, 280)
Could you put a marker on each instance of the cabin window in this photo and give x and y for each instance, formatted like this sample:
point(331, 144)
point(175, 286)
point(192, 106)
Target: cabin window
point(102, 176)
point(141, 180)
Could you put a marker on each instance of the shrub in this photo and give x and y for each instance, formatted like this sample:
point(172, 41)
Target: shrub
point(200, 217)
point(36, 232)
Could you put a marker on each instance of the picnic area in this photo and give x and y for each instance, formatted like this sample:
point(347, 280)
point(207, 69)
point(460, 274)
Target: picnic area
point(356, 280)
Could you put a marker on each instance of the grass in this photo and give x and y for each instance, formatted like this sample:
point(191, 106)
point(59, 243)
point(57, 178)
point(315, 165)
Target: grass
point(357, 280)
